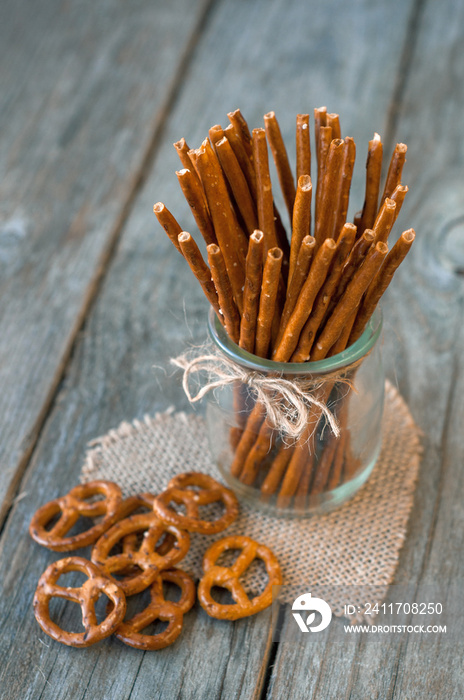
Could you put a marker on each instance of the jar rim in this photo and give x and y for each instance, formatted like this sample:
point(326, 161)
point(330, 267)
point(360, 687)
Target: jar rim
point(246, 359)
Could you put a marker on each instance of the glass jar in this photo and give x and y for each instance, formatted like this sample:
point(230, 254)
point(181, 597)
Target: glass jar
point(319, 470)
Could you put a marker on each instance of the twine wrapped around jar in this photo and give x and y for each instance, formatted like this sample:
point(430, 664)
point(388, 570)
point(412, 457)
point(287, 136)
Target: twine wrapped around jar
point(287, 402)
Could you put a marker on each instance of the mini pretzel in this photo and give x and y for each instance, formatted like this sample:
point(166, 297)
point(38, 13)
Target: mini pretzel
point(133, 504)
point(146, 558)
point(228, 577)
point(71, 507)
point(130, 631)
point(86, 596)
point(210, 492)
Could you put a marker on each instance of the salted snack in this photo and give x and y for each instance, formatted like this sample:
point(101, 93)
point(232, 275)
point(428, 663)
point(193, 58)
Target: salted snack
point(144, 556)
point(130, 631)
point(305, 297)
point(136, 504)
point(86, 596)
point(229, 578)
point(194, 489)
point(69, 508)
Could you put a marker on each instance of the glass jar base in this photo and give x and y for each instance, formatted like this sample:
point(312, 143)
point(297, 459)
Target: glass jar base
point(316, 505)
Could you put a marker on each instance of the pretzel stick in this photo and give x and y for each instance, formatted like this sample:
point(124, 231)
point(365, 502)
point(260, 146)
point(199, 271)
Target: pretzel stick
point(323, 468)
point(349, 158)
point(357, 255)
point(200, 269)
point(168, 222)
point(325, 138)
point(240, 125)
point(193, 193)
point(302, 455)
point(385, 220)
point(343, 340)
point(246, 163)
point(248, 439)
point(303, 146)
point(308, 334)
point(299, 276)
point(267, 301)
point(373, 172)
point(301, 222)
point(265, 200)
point(398, 195)
point(395, 169)
point(223, 221)
point(314, 282)
point(279, 154)
point(224, 291)
point(381, 281)
point(262, 446)
point(216, 133)
point(350, 300)
point(183, 152)
point(238, 183)
point(248, 169)
point(253, 281)
point(320, 119)
point(304, 482)
point(333, 120)
point(328, 206)
point(275, 473)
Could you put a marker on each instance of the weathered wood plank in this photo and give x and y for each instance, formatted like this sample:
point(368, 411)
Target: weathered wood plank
point(424, 316)
point(82, 97)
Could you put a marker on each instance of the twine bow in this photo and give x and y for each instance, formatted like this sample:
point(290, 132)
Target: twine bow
point(288, 403)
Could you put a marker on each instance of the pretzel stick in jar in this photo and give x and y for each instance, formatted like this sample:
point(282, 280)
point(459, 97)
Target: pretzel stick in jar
point(240, 125)
point(328, 206)
point(183, 151)
point(193, 193)
point(398, 195)
point(267, 301)
point(395, 170)
point(350, 300)
point(200, 269)
point(381, 281)
point(373, 173)
point(297, 281)
point(333, 120)
point(308, 334)
point(301, 223)
point(279, 465)
point(303, 146)
point(169, 223)
point(279, 154)
point(223, 221)
point(385, 220)
point(349, 158)
point(311, 287)
point(238, 183)
point(224, 291)
point(265, 200)
point(253, 281)
point(325, 139)
point(320, 119)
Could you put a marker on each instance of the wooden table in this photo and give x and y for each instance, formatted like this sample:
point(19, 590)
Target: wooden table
point(93, 293)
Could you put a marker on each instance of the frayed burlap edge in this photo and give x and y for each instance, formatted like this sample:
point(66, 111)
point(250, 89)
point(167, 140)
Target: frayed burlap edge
point(338, 556)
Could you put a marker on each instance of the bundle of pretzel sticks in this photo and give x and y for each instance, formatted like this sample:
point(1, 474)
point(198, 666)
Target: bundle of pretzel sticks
point(290, 300)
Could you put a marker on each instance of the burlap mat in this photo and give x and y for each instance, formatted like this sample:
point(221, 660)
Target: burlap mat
point(336, 554)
